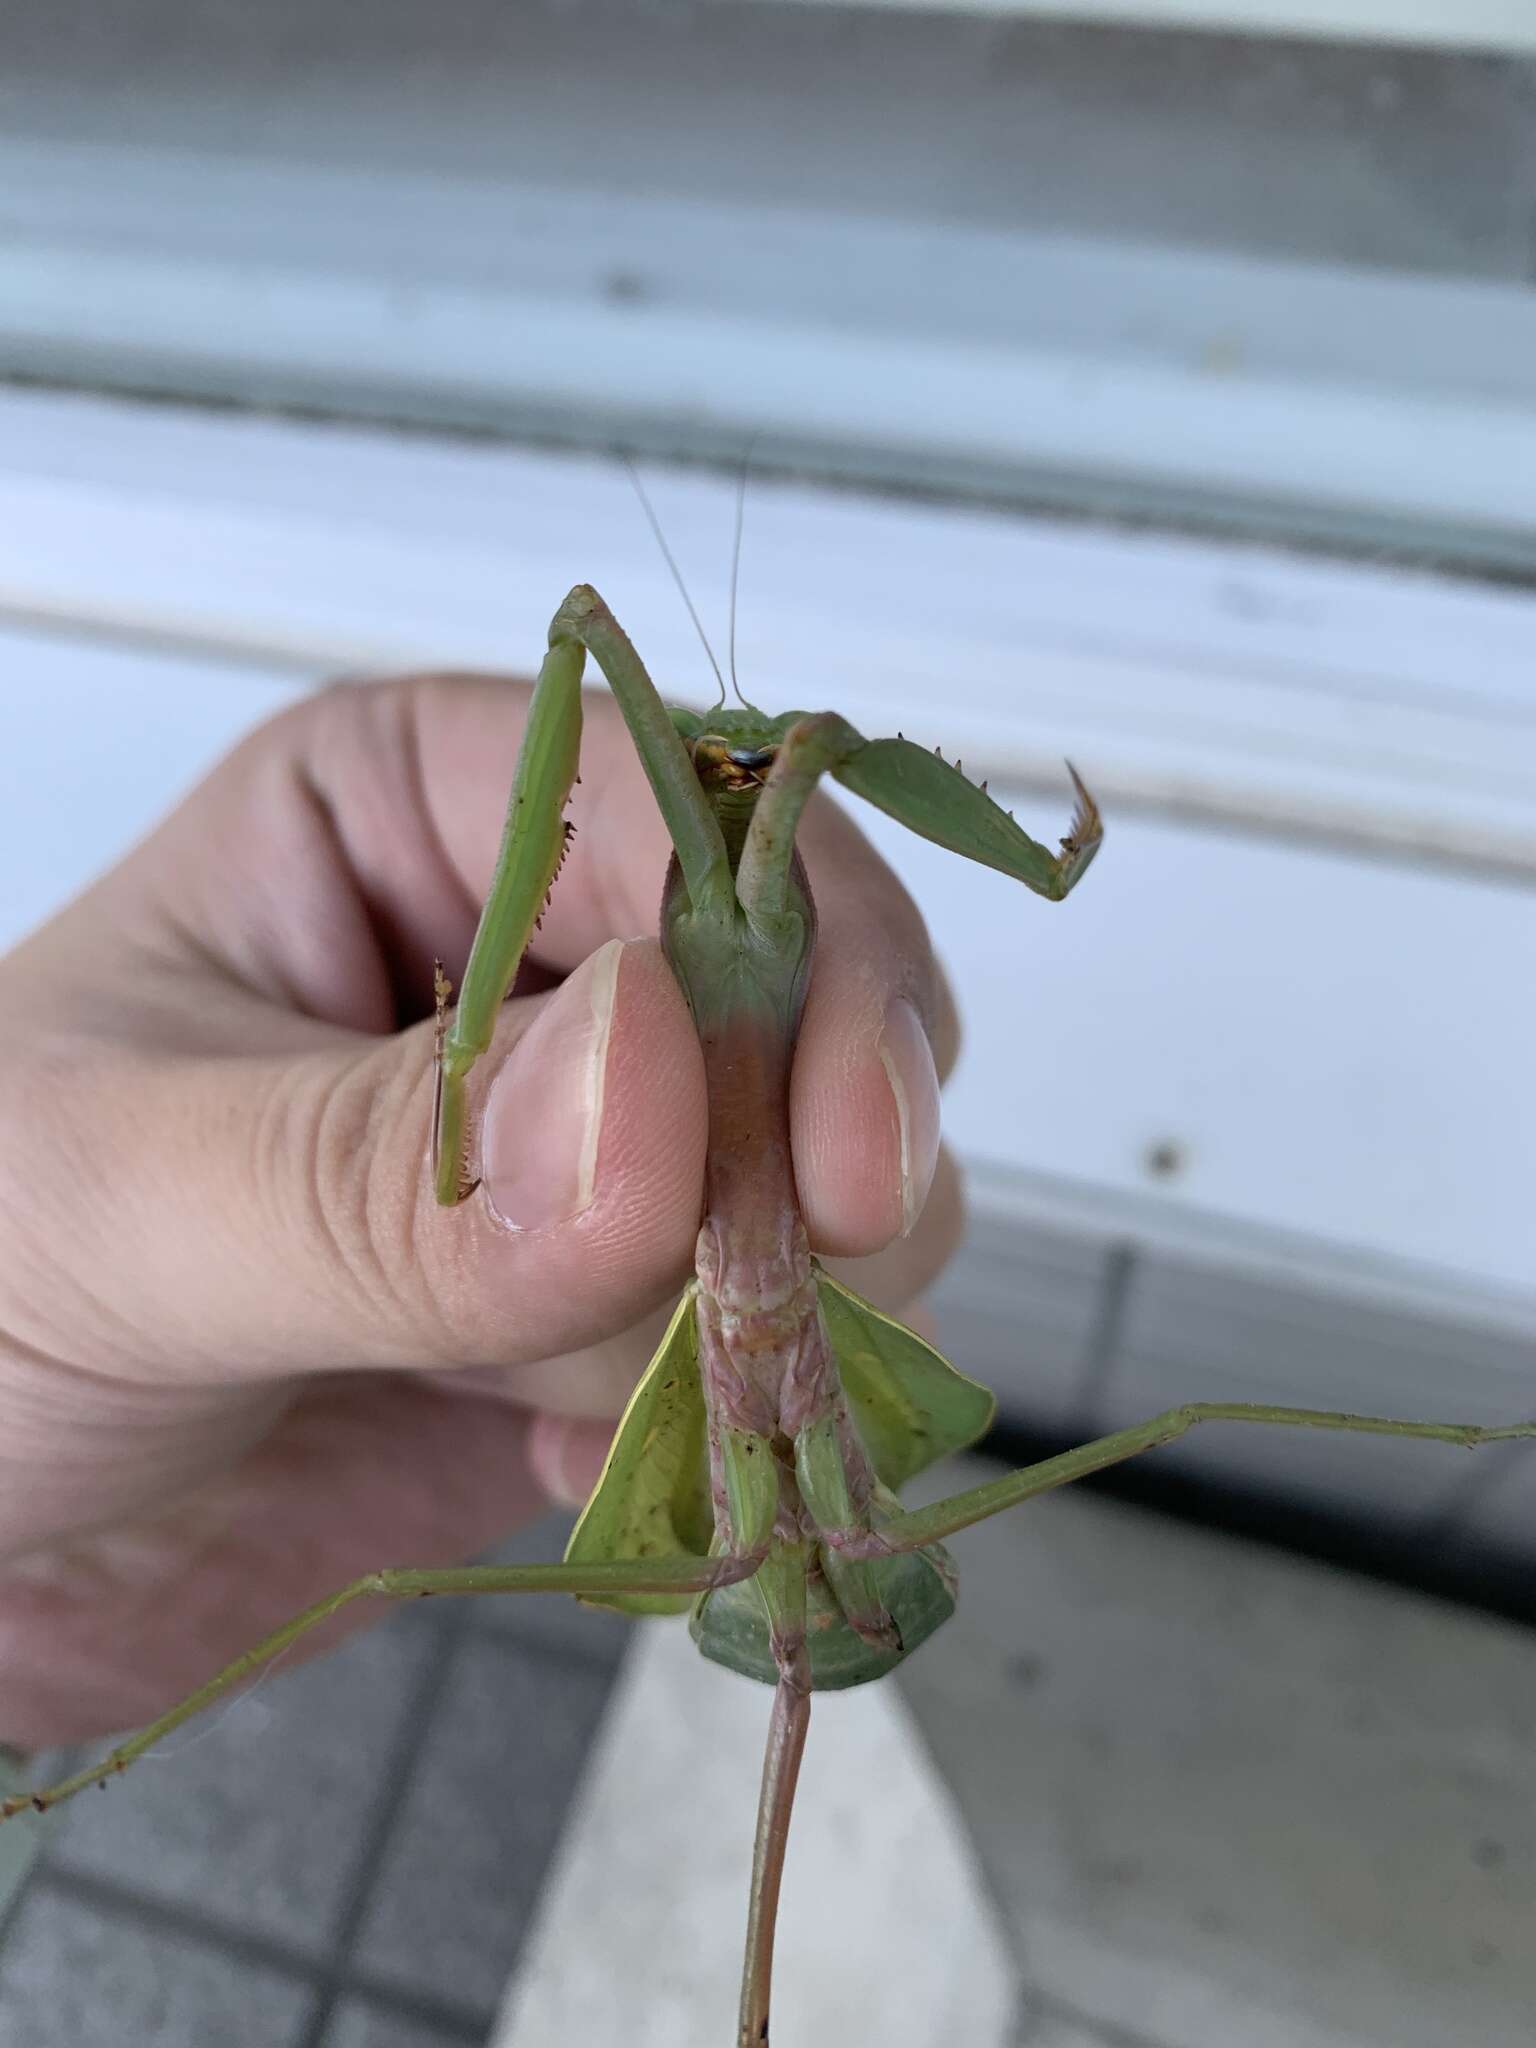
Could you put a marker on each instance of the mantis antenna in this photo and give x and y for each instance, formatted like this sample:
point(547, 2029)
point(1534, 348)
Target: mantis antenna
point(677, 575)
point(741, 509)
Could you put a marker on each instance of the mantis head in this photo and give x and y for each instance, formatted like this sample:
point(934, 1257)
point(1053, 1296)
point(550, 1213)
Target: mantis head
point(732, 750)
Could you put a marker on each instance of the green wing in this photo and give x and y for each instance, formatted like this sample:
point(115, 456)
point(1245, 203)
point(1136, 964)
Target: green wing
point(909, 1405)
point(653, 1497)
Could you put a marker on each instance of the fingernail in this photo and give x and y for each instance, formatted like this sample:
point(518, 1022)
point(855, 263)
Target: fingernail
point(907, 1058)
point(544, 1113)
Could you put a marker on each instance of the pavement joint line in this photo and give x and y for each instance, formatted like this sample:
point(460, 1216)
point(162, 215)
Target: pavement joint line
point(329, 1977)
point(468, 2024)
point(459, 2024)
point(1043, 2005)
point(396, 1773)
point(45, 1769)
point(117, 1901)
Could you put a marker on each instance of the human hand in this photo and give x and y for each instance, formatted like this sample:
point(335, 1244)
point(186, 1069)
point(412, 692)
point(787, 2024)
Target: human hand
point(244, 1357)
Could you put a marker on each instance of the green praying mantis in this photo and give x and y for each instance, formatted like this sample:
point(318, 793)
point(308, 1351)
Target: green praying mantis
point(754, 1476)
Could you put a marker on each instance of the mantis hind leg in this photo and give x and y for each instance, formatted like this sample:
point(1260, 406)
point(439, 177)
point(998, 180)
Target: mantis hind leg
point(787, 1731)
point(912, 1530)
point(670, 1575)
point(783, 1584)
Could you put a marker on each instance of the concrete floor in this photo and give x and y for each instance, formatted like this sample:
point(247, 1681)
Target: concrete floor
point(887, 1931)
point(1227, 1796)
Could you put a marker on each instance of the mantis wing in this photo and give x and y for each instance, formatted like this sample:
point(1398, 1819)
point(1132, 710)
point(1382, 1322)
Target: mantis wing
point(909, 1405)
point(653, 1499)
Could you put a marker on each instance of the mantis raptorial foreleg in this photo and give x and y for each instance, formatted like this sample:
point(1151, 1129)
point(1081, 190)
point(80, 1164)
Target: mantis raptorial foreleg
point(915, 1528)
point(595, 1580)
point(535, 836)
point(919, 790)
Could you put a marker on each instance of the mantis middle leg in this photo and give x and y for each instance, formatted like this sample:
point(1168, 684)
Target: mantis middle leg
point(920, 1526)
point(668, 1575)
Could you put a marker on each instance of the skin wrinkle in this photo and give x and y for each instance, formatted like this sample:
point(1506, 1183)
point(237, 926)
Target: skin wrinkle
point(364, 791)
point(440, 1277)
point(599, 1377)
point(252, 953)
point(307, 836)
point(54, 1388)
point(39, 1238)
point(294, 1190)
point(420, 801)
point(164, 1472)
point(337, 1143)
point(177, 1111)
point(390, 1257)
point(342, 1149)
point(369, 1003)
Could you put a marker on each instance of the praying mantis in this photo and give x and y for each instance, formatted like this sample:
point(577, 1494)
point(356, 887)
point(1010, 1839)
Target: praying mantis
point(753, 1479)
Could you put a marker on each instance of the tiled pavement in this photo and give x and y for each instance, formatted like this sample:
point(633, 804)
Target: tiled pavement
point(346, 1859)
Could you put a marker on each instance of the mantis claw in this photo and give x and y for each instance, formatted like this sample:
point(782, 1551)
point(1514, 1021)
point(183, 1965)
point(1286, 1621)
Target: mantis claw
point(1083, 834)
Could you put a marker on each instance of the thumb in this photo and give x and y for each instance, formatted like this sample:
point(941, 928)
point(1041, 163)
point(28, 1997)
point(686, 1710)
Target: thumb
point(267, 1215)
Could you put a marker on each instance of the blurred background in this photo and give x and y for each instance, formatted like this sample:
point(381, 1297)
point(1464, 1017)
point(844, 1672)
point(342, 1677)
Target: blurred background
point(1151, 384)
